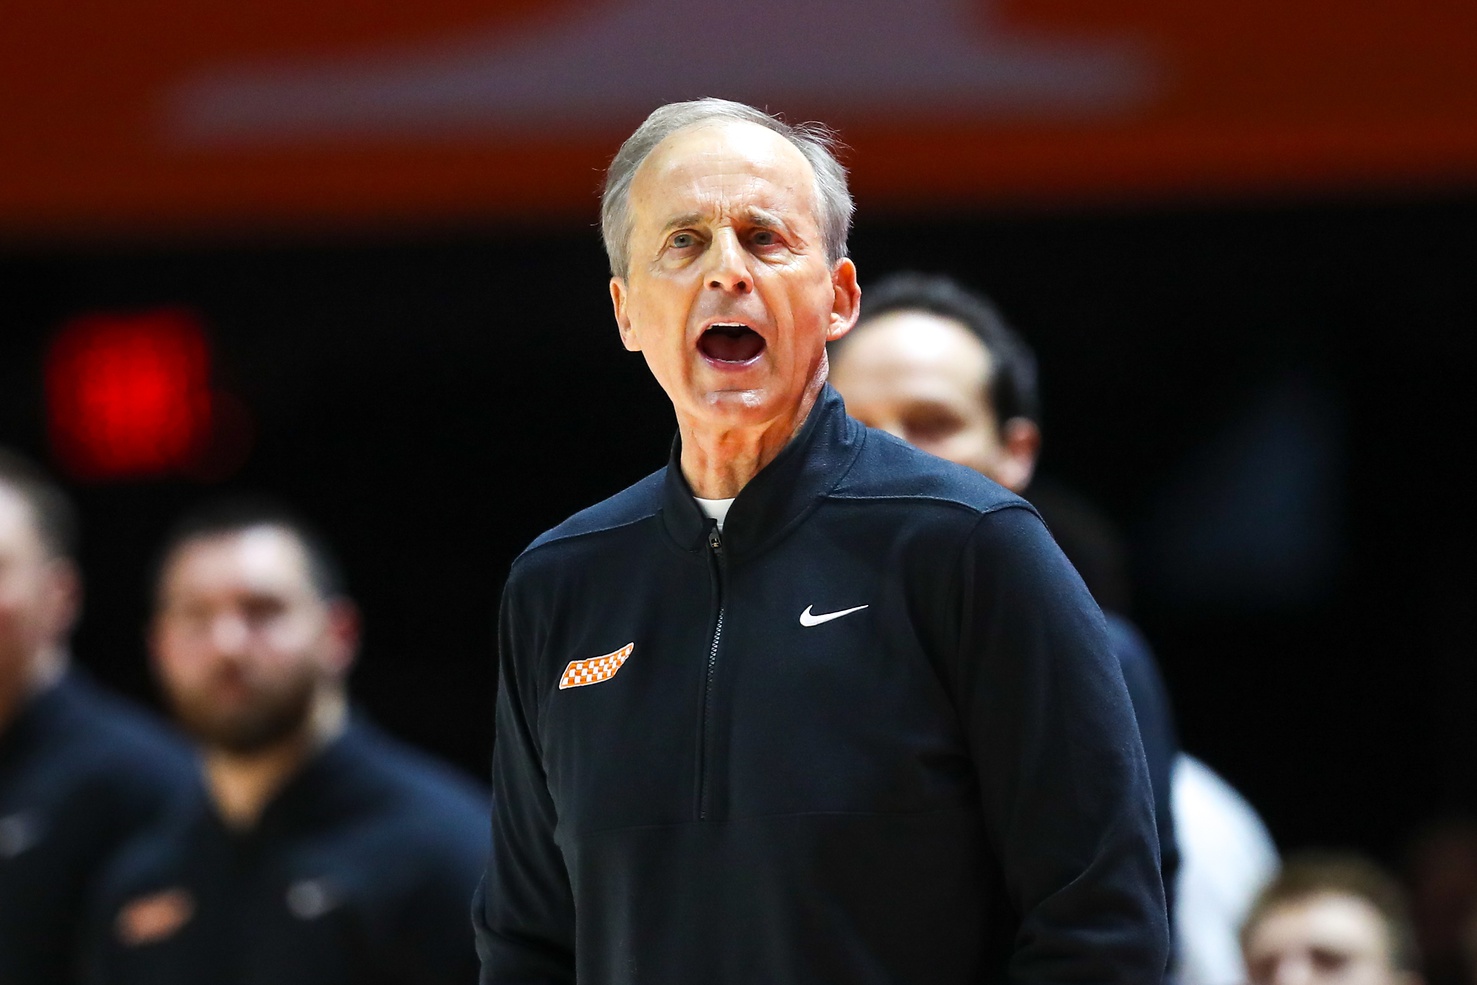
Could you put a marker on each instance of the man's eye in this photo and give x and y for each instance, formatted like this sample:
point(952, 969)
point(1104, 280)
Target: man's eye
point(932, 427)
point(682, 241)
point(764, 237)
point(1328, 960)
point(262, 610)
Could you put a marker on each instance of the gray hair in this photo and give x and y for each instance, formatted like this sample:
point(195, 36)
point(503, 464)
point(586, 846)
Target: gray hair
point(816, 141)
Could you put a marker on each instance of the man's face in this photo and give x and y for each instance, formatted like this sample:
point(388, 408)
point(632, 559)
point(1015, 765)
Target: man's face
point(729, 295)
point(923, 377)
point(242, 642)
point(35, 599)
point(1331, 939)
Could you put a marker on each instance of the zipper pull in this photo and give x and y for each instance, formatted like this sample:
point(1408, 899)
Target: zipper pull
point(715, 540)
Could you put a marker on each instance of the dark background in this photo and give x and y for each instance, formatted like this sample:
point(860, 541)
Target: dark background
point(1270, 401)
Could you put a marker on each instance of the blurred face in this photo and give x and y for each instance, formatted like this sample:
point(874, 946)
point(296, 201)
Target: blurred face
point(1326, 940)
point(242, 642)
point(922, 377)
point(35, 594)
point(729, 296)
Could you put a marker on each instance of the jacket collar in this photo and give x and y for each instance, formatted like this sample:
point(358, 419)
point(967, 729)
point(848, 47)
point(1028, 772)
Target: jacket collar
point(781, 494)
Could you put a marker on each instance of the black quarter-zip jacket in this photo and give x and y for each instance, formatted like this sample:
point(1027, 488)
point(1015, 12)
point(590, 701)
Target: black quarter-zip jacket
point(870, 733)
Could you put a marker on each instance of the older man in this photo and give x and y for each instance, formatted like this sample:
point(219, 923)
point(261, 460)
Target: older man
point(320, 850)
point(806, 705)
point(80, 770)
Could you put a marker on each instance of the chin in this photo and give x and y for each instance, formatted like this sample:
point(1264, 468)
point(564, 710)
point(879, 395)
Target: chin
point(739, 406)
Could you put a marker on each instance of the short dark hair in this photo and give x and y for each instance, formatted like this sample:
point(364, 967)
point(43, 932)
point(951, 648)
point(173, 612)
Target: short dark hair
point(1012, 386)
point(52, 514)
point(235, 514)
point(1308, 875)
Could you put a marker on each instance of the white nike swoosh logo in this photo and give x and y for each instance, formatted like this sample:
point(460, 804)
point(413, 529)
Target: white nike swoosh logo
point(806, 619)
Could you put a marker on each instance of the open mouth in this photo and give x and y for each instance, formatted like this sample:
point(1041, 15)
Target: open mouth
point(730, 343)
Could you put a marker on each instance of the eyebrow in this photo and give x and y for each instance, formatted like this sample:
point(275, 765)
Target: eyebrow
point(762, 218)
point(689, 219)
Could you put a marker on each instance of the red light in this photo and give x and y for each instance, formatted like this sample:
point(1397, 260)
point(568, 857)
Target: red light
point(129, 395)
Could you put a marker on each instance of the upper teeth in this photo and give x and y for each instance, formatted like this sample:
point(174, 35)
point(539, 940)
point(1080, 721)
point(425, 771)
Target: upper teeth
point(727, 324)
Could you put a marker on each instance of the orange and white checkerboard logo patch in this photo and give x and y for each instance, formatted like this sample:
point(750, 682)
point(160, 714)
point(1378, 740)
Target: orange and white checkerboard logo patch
point(594, 670)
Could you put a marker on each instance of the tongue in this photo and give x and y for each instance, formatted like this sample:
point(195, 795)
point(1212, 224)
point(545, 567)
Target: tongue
point(731, 345)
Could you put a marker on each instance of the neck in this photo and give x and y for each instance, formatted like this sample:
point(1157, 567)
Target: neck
point(44, 669)
point(718, 461)
point(243, 784)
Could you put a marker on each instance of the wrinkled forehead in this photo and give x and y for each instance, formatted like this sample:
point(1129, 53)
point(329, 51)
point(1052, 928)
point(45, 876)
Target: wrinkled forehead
point(721, 164)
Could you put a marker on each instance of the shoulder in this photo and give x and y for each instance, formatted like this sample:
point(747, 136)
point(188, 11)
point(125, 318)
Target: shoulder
point(414, 787)
point(1208, 802)
point(889, 470)
point(945, 519)
point(633, 504)
point(1129, 644)
point(116, 742)
point(421, 821)
point(129, 728)
point(1215, 824)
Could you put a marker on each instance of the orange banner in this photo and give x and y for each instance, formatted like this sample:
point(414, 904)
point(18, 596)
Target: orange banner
point(166, 115)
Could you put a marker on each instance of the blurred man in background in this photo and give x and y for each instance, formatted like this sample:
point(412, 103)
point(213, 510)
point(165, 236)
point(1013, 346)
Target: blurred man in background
point(79, 769)
point(1330, 920)
point(320, 850)
point(937, 365)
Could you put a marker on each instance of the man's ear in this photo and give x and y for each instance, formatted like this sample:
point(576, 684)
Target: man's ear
point(1020, 439)
point(846, 299)
point(618, 296)
point(343, 632)
point(63, 597)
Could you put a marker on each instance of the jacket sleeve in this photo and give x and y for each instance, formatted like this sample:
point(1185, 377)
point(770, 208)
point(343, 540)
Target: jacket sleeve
point(523, 912)
point(1064, 785)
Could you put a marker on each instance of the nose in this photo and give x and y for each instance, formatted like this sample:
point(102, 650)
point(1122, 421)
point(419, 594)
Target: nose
point(228, 635)
point(1292, 971)
point(728, 268)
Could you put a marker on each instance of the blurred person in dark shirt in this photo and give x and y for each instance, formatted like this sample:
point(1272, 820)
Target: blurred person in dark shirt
point(937, 365)
point(320, 850)
point(1330, 919)
point(80, 770)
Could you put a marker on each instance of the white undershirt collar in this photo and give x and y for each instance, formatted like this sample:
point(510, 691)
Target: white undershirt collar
point(716, 509)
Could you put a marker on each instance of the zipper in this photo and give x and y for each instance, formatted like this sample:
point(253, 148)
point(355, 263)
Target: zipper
point(705, 794)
